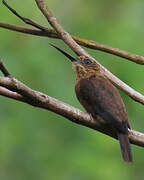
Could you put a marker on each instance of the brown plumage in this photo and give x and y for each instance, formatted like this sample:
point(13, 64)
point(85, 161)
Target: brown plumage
point(99, 97)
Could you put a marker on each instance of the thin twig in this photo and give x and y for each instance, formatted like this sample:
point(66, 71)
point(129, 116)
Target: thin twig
point(4, 70)
point(115, 51)
point(25, 20)
point(47, 33)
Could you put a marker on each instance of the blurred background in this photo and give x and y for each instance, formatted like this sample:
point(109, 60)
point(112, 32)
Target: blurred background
point(38, 144)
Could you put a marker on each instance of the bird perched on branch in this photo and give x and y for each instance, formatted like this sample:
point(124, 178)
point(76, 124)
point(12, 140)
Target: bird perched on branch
point(99, 97)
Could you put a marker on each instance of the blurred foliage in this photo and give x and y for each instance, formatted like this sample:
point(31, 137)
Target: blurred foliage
point(37, 144)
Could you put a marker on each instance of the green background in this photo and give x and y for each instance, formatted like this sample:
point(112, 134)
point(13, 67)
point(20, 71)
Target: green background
point(38, 144)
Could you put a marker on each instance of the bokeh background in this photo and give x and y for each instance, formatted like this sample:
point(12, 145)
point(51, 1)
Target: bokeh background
point(38, 144)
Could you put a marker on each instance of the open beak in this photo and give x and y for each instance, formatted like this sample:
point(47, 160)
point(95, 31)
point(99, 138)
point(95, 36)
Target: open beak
point(64, 53)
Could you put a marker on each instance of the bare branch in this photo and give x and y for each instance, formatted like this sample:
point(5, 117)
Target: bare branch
point(14, 89)
point(65, 36)
point(115, 51)
point(10, 94)
point(136, 96)
point(94, 45)
point(25, 20)
point(47, 33)
point(4, 70)
point(87, 43)
point(83, 42)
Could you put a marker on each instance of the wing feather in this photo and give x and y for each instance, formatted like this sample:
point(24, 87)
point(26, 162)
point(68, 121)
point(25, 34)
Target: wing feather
point(99, 96)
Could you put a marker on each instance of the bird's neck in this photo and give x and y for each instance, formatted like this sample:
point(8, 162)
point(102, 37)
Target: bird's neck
point(89, 75)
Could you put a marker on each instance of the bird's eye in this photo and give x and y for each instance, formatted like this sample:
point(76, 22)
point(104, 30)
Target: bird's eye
point(87, 61)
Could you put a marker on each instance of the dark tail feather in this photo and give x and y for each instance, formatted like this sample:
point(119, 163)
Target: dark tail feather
point(125, 147)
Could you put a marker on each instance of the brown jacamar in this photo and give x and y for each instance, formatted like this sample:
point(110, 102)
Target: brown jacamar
point(99, 97)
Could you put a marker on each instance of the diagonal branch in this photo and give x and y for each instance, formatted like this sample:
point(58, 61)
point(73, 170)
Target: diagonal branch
point(65, 36)
point(4, 70)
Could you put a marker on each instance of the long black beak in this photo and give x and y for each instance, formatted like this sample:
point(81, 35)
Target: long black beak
point(63, 52)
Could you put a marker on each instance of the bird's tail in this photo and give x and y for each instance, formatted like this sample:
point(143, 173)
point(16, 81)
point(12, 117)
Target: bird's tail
point(125, 147)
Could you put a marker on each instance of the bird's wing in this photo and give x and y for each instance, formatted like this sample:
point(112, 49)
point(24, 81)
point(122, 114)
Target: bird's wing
point(99, 96)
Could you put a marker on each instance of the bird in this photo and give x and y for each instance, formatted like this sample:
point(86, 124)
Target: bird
point(99, 97)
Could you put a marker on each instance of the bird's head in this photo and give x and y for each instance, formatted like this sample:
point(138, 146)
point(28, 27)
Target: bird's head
point(83, 66)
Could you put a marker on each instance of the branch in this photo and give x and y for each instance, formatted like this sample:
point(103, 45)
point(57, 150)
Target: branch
point(83, 42)
point(14, 89)
point(4, 70)
point(94, 45)
point(47, 33)
point(25, 20)
point(87, 43)
point(65, 36)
